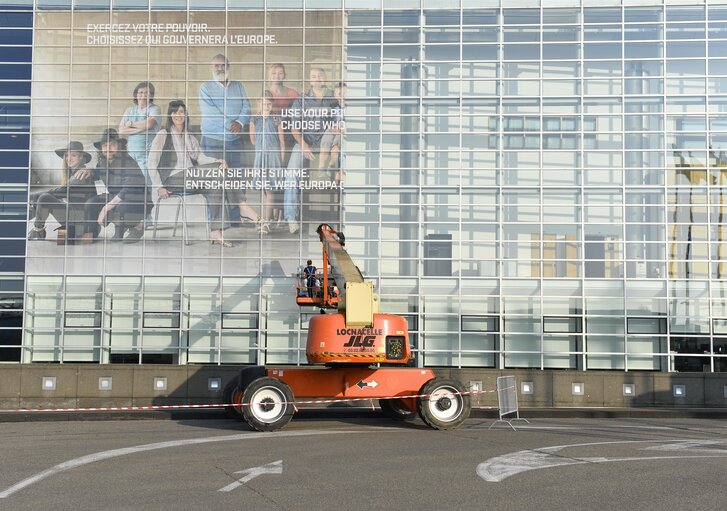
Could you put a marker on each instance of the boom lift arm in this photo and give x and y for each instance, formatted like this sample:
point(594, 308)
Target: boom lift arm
point(356, 299)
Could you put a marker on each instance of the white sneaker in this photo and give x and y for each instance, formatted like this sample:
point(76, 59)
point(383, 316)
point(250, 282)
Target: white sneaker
point(293, 226)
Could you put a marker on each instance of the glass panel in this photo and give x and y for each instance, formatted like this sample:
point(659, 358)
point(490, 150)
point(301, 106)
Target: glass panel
point(479, 323)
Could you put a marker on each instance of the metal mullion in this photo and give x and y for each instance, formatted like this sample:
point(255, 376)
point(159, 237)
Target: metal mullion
point(708, 166)
point(541, 265)
point(459, 187)
point(622, 187)
point(582, 187)
point(499, 172)
point(667, 276)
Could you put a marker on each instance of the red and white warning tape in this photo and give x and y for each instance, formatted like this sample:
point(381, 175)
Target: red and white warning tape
point(225, 405)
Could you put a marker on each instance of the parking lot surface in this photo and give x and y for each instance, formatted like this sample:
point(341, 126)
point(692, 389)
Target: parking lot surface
point(364, 461)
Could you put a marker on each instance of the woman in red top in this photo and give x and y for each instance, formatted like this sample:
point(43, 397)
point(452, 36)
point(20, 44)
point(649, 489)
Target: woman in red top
point(283, 96)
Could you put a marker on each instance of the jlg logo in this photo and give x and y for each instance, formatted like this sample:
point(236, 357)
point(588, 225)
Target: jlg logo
point(363, 341)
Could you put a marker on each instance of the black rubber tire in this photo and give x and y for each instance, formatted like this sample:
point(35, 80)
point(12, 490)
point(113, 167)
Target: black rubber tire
point(228, 396)
point(443, 411)
point(271, 404)
point(393, 409)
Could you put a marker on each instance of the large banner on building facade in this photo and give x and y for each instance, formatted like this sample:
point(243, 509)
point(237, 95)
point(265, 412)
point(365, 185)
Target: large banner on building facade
point(182, 139)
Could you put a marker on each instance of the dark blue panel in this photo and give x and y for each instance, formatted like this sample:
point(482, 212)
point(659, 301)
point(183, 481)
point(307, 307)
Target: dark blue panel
point(16, 19)
point(13, 212)
point(12, 229)
point(14, 124)
point(10, 36)
point(12, 264)
point(14, 141)
point(16, 195)
point(11, 285)
point(14, 107)
point(15, 71)
point(12, 247)
point(18, 176)
point(15, 88)
point(19, 5)
point(18, 54)
point(13, 159)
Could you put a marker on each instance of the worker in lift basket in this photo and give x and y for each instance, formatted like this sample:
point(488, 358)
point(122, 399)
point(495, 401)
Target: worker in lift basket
point(309, 272)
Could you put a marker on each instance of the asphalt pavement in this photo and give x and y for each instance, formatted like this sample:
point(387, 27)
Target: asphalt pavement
point(351, 461)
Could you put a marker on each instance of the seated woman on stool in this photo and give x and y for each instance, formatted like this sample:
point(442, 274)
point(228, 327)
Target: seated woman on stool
point(173, 151)
point(77, 188)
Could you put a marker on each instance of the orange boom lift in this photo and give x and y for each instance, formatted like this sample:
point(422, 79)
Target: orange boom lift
point(361, 353)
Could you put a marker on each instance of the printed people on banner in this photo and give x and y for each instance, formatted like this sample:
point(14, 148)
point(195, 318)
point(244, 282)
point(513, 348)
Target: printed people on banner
point(140, 123)
point(266, 133)
point(330, 154)
point(289, 135)
point(225, 114)
point(77, 186)
point(122, 192)
point(309, 118)
point(283, 98)
point(173, 151)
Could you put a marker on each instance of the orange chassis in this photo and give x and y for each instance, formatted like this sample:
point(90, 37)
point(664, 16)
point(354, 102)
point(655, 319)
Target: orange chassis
point(342, 383)
point(354, 382)
point(266, 398)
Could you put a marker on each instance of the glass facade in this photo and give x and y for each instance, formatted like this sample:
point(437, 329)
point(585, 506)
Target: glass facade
point(532, 184)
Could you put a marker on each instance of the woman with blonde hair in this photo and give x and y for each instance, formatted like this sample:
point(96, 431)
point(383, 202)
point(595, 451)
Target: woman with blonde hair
point(283, 96)
point(77, 186)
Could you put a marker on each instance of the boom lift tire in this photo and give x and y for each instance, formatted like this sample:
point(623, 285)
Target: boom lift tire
point(444, 406)
point(393, 409)
point(230, 395)
point(270, 404)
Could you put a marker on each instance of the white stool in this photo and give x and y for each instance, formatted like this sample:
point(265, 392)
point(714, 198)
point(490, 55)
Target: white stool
point(181, 205)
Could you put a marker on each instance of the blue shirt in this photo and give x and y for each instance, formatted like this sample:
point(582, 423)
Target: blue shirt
point(319, 112)
point(220, 106)
point(141, 142)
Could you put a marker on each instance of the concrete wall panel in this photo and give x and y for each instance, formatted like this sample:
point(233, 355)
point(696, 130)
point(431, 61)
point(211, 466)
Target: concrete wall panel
point(9, 386)
point(78, 386)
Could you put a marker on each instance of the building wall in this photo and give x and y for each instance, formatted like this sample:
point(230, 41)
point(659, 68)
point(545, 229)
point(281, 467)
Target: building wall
point(84, 386)
point(531, 186)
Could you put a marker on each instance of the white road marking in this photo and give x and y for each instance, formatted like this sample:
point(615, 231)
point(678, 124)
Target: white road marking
point(587, 428)
point(276, 467)
point(691, 445)
point(501, 467)
point(114, 453)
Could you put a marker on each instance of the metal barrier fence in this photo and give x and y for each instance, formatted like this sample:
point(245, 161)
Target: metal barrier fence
point(507, 401)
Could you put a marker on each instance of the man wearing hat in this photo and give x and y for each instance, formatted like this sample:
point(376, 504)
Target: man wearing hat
point(76, 188)
point(125, 191)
